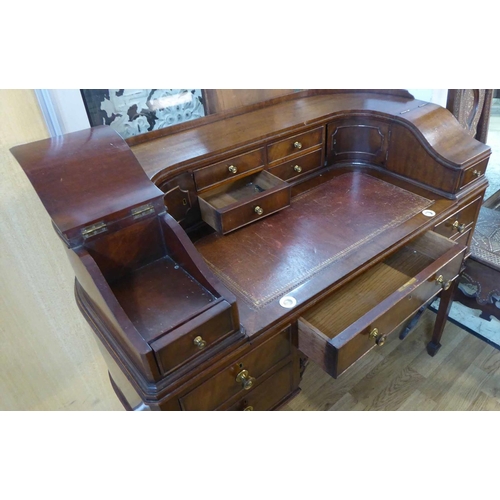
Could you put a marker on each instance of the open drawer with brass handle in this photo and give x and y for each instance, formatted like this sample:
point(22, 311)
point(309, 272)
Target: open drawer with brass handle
point(343, 327)
point(235, 204)
point(462, 220)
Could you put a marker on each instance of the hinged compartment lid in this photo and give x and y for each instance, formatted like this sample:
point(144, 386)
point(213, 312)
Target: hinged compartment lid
point(87, 180)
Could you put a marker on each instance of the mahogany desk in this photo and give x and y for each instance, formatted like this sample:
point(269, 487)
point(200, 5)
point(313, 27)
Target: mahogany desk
point(213, 258)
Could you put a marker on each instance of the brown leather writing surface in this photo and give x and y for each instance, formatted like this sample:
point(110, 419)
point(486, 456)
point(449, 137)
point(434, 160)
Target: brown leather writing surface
point(263, 261)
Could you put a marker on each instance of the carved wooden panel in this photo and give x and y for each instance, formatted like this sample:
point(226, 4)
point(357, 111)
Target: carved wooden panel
point(356, 139)
point(471, 107)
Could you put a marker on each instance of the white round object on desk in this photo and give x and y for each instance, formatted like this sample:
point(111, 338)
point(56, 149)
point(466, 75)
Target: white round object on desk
point(288, 302)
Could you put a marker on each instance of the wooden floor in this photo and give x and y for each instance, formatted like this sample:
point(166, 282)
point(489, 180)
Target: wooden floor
point(464, 375)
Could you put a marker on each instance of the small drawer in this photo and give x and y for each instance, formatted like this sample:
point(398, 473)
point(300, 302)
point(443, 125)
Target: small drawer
point(194, 337)
point(464, 238)
point(232, 168)
point(294, 145)
point(298, 166)
point(268, 394)
point(345, 326)
point(236, 204)
point(473, 173)
point(460, 221)
point(228, 383)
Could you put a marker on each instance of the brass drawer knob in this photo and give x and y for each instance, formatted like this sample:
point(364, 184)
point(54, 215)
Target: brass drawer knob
point(248, 408)
point(297, 169)
point(199, 342)
point(459, 227)
point(245, 380)
point(258, 210)
point(445, 285)
point(477, 173)
point(379, 339)
point(233, 169)
point(297, 145)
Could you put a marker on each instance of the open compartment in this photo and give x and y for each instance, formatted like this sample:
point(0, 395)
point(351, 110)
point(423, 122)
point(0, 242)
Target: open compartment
point(170, 301)
point(347, 324)
point(235, 204)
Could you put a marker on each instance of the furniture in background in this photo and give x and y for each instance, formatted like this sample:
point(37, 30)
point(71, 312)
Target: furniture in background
point(213, 258)
point(479, 286)
point(472, 108)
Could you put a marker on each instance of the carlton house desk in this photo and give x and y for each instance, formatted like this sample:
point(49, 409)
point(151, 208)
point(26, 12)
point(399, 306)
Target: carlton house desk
point(215, 257)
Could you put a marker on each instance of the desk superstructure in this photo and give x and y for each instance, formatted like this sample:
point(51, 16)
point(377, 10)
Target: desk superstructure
point(212, 259)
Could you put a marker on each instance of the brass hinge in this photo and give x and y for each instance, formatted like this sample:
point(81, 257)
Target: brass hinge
point(94, 229)
point(142, 211)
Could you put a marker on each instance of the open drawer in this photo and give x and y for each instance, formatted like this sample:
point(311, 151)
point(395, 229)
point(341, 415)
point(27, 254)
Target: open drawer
point(170, 303)
point(238, 203)
point(346, 325)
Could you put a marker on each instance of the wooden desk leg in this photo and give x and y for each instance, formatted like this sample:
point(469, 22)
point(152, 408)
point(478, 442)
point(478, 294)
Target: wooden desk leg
point(442, 316)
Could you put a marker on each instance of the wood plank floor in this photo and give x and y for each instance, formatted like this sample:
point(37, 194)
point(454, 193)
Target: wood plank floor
point(464, 375)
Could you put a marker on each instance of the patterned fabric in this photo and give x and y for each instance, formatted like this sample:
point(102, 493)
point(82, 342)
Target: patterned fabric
point(485, 249)
point(486, 238)
point(472, 288)
point(137, 111)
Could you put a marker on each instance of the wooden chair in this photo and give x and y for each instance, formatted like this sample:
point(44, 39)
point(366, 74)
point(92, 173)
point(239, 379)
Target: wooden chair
point(479, 285)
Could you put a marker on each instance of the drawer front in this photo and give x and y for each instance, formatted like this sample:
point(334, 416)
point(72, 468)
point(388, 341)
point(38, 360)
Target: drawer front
point(349, 352)
point(460, 221)
point(298, 166)
point(232, 168)
point(194, 337)
point(255, 210)
point(464, 238)
point(293, 145)
point(223, 386)
point(337, 354)
point(473, 173)
point(268, 394)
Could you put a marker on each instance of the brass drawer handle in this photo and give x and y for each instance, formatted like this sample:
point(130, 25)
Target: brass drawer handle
point(297, 145)
point(199, 342)
point(297, 169)
point(379, 339)
point(248, 408)
point(445, 285)
point(459, 227)
point(233, 169)
point(245, 380)
point(258, 210)
point(477, 173)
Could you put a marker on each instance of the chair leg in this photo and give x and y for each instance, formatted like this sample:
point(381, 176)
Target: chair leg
point(442, 316)
point(413, 322)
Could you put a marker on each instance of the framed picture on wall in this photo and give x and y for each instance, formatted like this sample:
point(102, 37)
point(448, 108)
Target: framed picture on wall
point(137, 111)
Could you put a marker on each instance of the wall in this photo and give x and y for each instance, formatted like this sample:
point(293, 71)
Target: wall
point(69, 109)
point(48, 357)
point(437, 96)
